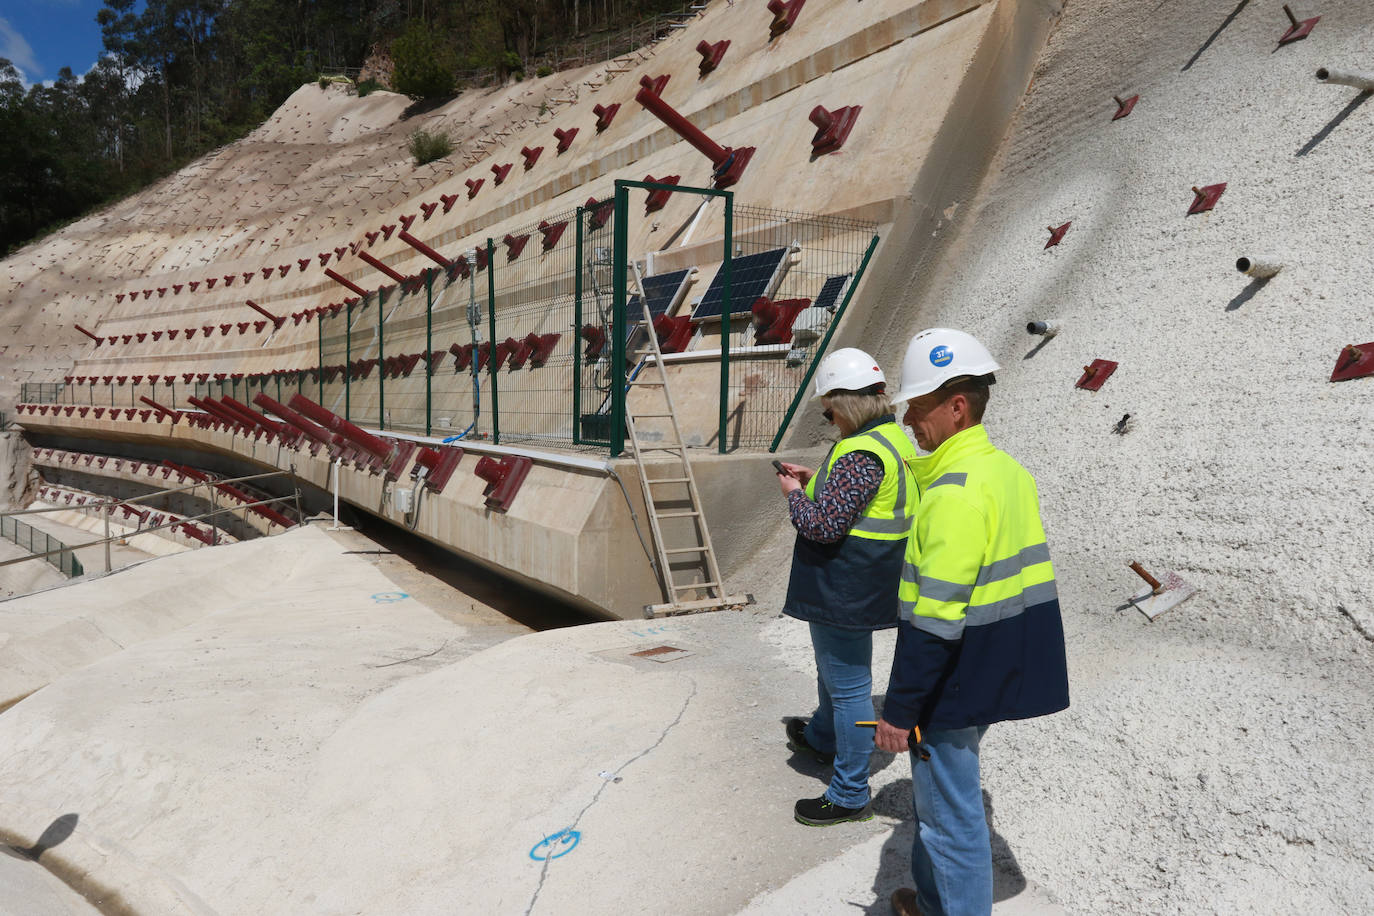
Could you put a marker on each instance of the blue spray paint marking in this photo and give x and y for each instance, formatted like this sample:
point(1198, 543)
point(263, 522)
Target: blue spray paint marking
point(556, 846)
point(389, 597)
point(649, 631)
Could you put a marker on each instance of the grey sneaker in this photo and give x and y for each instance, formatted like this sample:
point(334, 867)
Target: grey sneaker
point(796, 740)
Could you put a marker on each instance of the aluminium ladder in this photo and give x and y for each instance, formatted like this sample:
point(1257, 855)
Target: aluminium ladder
point(700, 555)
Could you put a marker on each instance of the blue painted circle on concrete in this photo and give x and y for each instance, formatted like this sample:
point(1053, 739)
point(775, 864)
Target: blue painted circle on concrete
point(941, 356)
point(389, 597)
point(556, 846)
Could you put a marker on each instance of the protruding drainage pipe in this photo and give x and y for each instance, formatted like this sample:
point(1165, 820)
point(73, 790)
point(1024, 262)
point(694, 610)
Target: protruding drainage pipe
point(1042, 328)
point(728, 163)
point(276, 322)
point(1355, 80)
point(344, 282)
point(1259, 268)
point(381, 266)
point(424, 249)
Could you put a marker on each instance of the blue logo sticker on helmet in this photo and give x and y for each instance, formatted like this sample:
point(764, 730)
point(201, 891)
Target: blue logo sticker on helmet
point(941, 356)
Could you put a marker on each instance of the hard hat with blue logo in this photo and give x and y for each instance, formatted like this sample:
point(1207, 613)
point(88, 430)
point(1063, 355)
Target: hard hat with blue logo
point(847, 369)
point(939, 355)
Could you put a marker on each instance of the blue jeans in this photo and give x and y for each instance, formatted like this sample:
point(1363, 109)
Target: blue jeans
point(951, 856)
point(844, 683)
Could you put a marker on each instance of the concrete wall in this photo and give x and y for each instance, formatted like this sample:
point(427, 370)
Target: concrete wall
point(936, 79)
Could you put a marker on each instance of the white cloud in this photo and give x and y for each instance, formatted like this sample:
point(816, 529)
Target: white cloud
point(14, 47)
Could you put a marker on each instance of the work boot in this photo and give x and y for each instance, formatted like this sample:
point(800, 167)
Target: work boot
point(822, 812)
point(904, 902)
point(796, 740)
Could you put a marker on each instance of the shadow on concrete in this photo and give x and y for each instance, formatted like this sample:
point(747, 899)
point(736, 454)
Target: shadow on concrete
point(1217, 34)
point(1248, 293)
point(1038, 347)
point(894, 861)
point(520, 603)
point(1335, 122)
point(55, 834)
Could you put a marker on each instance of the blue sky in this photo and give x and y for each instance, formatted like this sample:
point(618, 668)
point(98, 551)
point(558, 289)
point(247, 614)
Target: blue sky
point(42, 36)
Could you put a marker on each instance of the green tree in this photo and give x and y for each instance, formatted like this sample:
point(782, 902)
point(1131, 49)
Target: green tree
point(424, 63)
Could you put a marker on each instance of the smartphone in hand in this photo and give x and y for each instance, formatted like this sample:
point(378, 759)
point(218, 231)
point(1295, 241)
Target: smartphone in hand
point(777, 466)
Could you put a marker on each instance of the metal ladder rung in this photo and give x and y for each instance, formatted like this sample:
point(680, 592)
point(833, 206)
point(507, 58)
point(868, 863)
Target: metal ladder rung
point(665, 479)
point(683, 588)
point(688, 514)
point(676, 550)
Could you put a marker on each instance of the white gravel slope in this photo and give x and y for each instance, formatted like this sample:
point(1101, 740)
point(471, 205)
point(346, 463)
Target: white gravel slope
point(1216, 760)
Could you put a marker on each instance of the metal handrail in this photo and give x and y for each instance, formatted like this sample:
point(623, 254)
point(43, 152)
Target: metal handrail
point(117, 537)
point(134, 499)
point(107, 509)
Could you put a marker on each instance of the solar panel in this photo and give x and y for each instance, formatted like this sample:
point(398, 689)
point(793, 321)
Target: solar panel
point(831, 291)
point(663, 291)
point(754, 275)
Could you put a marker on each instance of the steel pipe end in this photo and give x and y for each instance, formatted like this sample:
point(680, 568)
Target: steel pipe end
point(1259, 268)
point(1042, 328)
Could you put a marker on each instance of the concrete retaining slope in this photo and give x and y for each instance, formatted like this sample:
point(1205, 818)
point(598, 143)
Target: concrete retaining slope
point(329, 754)
point(48, 635)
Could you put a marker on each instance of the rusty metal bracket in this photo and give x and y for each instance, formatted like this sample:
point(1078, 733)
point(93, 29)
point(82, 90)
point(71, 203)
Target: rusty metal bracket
point(1095, 374)
point(1355, 361)
point(1297, 29)
point(1205, 198)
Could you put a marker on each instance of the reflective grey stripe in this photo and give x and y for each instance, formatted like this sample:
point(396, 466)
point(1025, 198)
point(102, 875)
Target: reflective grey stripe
point(1012, 565)
point(940, 590)
point(899, 510)
point(909, 573)
point(953, 480)
point(944, 629)
point(882, 525)
point(823, 473)
point(983, 614)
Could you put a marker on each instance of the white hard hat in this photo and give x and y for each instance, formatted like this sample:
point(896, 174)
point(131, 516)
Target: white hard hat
point(847, 369)
point(936, 356)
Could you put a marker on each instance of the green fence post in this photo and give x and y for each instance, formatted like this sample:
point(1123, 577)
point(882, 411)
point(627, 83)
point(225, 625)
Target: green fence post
point(348, 361)
point(491, 361)
point(381, 358)
point(825, 342)
point(319, 327)
point(429, 346)
point(728, 267)
point(619, 264)
point(577, 342)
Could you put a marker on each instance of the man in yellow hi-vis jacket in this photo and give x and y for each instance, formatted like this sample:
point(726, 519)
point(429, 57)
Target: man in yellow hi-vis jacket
point(981, 639)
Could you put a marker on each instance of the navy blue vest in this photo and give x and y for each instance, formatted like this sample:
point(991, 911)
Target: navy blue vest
point(851, 583)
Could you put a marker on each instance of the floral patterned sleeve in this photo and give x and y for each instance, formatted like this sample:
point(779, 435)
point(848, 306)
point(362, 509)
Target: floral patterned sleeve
point(853, 482)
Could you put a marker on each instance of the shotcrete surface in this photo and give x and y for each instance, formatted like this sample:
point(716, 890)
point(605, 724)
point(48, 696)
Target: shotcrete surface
point(1213, 761)
point(332, 745)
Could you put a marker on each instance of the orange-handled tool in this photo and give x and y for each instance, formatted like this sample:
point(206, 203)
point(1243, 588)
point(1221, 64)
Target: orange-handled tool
point(913, 740)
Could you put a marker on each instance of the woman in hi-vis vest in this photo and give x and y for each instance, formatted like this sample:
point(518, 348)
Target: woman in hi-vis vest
point(852, 518)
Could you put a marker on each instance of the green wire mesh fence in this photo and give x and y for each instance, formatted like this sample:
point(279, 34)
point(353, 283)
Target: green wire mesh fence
point(514, 341)
point(37, 542)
